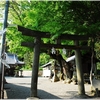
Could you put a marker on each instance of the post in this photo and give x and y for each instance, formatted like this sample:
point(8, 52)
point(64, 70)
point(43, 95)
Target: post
point(3, 49)
point(80, 78)
point(34, 79)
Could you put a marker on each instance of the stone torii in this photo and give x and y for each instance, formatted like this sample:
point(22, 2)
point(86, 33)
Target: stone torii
point(38, 45)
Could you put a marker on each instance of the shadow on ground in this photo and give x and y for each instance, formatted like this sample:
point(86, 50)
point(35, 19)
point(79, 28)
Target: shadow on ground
point(14, 91)
point(21, 92)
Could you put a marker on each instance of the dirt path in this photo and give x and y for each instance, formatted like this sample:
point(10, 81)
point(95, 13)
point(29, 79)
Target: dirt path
point(19, 88)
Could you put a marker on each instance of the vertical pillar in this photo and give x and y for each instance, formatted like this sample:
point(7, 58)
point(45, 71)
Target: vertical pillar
point(3, 49)
point(93, 63)
point(34, 79)
point(79, 70)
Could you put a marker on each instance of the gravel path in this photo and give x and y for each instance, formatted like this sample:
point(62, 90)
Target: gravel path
point(19, 88)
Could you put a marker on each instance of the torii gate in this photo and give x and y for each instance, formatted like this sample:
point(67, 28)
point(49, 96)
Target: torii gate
point(37, 45)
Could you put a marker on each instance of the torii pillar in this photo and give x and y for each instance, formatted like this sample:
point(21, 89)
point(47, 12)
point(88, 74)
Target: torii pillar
point(34, 79)
point(79, 71)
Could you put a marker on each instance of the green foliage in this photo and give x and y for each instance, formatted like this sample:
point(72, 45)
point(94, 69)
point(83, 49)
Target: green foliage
point(1, 14)
point(44, 58)
point(97, 49)
point(55, 17)
point(26, 68)
point(28, 58)
point(40, 68)
point(98, 66)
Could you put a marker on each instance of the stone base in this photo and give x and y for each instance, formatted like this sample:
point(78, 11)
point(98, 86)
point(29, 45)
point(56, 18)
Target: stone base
point(80, 96)
point(31, 98)
point(68, 81)
point(55, 79)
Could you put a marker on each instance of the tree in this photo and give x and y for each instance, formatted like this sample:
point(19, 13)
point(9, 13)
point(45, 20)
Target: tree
point(55, 17)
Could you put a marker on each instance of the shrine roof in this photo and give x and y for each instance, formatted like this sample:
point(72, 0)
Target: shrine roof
point(13, 59)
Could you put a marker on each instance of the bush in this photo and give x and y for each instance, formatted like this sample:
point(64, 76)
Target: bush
point(40, 68)
point(98, 66)
point(26, 68)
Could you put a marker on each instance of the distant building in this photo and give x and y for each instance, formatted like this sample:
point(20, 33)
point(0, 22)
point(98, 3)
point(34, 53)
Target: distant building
point(71, 58)
point(13, 61)
point(46, 69)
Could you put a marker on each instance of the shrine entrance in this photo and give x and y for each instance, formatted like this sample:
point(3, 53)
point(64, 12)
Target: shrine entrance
point(37, 45)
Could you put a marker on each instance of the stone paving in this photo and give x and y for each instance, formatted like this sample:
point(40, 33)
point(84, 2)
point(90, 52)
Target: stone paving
point(20, 88)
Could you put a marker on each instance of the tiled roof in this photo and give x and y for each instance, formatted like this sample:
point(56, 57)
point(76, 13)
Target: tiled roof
point(47, 64)
point(12, 59)
point(71, 58)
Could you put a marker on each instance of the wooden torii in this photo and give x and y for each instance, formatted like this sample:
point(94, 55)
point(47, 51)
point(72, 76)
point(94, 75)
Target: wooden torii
point(37, 45)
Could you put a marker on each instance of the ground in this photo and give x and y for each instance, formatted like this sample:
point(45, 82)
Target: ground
point(20, 88)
